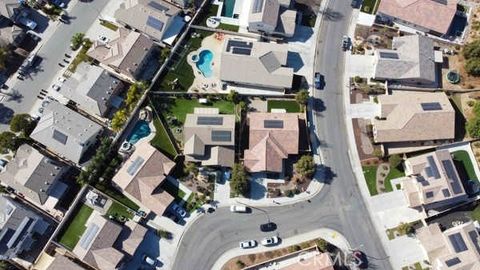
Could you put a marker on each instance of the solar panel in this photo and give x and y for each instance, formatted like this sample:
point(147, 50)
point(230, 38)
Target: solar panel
point(431, 106)
point(209, 120)
point(452, 262)
point(241, 51)
point(389, 55)
point(475, 240)
point(60, 137)
point(221, 135)
point(432, 169)
point(257, 6)
point(157, 6)
point(452, 176)
point(88, 235)
point(273, 124)
point(155, 23)
point(136, 164)
point(239, 44)
point(457, 242)
point(446, 193)
point(429, 194)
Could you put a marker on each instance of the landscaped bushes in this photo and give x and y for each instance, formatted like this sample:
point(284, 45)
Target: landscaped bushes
point(471, 52)
point(473, 124)
point(134, 94)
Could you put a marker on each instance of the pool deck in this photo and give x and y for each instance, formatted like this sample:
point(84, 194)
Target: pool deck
point(153, 131)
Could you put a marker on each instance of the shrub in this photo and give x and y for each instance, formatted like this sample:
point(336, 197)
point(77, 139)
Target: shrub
point(358, 79)
point(322, 244)
point(305, 166)
point(8, 141)
point(472, 66)
point(470, 103)
point(239, 182)
point(473, 127)
point(472, 50)
point(21, 123)
point(77, 40)
point(394, 161)
point(240, 264)
point(294, 248)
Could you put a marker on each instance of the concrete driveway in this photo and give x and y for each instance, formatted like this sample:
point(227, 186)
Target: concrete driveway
point(361, 65)
point(364, 110)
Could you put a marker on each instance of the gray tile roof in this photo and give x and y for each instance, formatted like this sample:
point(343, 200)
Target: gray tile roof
point(65, 132)
point(32, 174)
point(63, 263)
point(92, 88)
point(412, 58)
point(264, 11)
point(9, 8)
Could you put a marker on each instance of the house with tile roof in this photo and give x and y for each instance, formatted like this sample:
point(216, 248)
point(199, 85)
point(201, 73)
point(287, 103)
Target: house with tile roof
point(432, 181)
point(256, 64)
point(141, 176)
point(429, 16)
point(272, 138)
point(209, 137)
point(127, 53)
point(93, 89)
point(411, 61)
point(411, 121)
point(61, 262)
point(150, 17)
point(36, 177)
point(272, 17)
point(65, 132)
point(106, 245)
point(457, 248)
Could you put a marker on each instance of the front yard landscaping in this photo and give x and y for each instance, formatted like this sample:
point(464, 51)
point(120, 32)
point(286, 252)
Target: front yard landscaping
point(462, 157)
point(290, 105)
point(370, 173)
point(76, 228)
point(394, 173)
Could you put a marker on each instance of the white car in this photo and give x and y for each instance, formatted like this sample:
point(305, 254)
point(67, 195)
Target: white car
point(270, 241)
point(238, 208)
point(248, 244)
point(149, 261)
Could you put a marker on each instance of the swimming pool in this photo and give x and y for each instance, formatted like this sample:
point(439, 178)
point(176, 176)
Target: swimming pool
point(140, 130)
point(204, 63)
point(228, 7)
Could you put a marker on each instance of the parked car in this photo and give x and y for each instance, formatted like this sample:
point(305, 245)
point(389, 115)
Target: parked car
point(319, 81)
point(27, 22)
point(238, 208)
point(268, 227)
point(179, 210)
point(345, 43)
point(58, 3)
point(150, 261)
point(248, 244)
point(270, 241)
point(3, 163)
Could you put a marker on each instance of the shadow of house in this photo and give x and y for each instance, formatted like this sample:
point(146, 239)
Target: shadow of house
point(294, 60)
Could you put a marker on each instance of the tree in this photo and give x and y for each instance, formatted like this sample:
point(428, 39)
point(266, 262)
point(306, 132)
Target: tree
point(4, 53)
point(472, 66)
point(302, 97)
point(239, 182)
point(164, 53)
point(472, 50)
point(322, 244)
point(77, 40)
point(190, 168)
point(8, 141)
point(305, 166)
point(99, 164)
point(405, 228)
point(233, 96)
point(394, 161)
point(134, 93)
point(119, 119)
point(21, 123)
point(473, 127)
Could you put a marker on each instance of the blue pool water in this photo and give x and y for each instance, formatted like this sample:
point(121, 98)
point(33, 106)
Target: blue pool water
point(140, 130)
point(227, 8)
point(204, 63)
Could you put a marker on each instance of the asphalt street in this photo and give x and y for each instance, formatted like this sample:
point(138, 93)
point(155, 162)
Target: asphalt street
point(338, 206)
point(82, 15)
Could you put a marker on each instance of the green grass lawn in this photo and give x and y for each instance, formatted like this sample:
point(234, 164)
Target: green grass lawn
point(117, 210)
point(394, 173)
point(229, 27)
point(290, 105)
point(112, 192)
point(109, 25)
point(370, 6)
point(476, 214)
point(161, 141)
point(370, 173)
point(173, 190)
point(463, 157)
point(76, 227)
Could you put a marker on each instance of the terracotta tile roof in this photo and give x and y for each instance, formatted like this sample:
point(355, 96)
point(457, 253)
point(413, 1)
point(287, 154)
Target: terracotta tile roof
point(433, 15)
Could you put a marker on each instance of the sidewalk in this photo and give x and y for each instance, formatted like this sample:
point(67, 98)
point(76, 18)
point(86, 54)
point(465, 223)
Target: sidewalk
point(331, 236)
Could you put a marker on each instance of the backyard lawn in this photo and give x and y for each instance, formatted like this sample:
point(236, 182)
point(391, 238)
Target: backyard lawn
point(111, 192)
point(370, 173)
point(161, 141)
point(370, 6)
point(476, 214)
point(290, 105)
point(76, 227)
point(117, 210)
point(394, 173)
point(462, 157)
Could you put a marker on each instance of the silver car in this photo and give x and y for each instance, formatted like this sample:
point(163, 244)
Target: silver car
point(248, 244)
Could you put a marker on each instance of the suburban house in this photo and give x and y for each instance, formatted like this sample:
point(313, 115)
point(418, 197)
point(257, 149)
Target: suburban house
point(93, 89)
point(412, 61)
point(11, 34)
point(65, 132)
point(36, 177)
point(21, 230)
point(256, 64)
point(9, 9)
point(106, 245)
point(457, 248)
point(151, 17)
point(272, 138)
point(433, 17)
point(60, 262)
point(432, 181)
point(209, 137)
point(412, 121)
point(272, 17)
point(127, 54)
point(141, 176)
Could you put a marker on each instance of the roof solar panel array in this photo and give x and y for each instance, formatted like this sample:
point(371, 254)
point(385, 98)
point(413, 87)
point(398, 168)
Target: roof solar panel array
point(432, 169)
point(209, 121)
point(452, 176)
point(457, 242)
point(155, 23)
point(273, 124)
point(136, 164)
point(431, 106)
point(221, 135)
